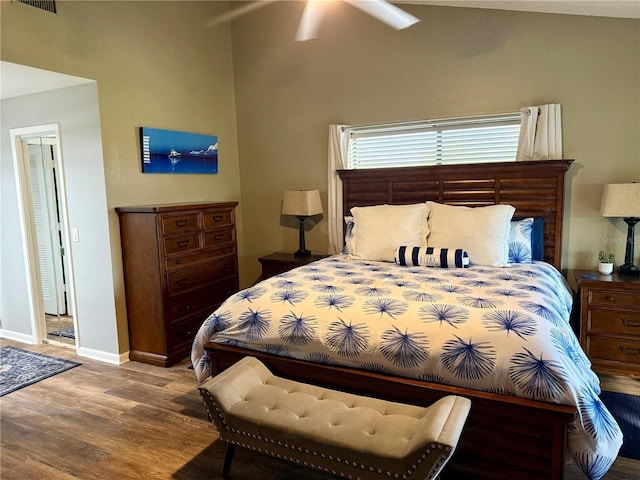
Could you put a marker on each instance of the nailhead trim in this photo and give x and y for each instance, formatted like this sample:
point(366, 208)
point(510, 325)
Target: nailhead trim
point(443, 457)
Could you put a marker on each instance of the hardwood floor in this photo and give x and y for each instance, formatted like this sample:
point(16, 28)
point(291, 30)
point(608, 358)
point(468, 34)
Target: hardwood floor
point(137, 421)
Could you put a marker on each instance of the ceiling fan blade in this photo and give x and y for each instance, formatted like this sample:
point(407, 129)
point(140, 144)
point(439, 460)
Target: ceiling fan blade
point(310, 21)
point(385, 12)
point(237, 12)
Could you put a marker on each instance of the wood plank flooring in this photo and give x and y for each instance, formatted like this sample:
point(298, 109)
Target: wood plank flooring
point(137, 421)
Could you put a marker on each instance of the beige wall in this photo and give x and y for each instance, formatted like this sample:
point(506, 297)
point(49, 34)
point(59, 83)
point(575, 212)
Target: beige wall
point(456, 61)
point(156, 65)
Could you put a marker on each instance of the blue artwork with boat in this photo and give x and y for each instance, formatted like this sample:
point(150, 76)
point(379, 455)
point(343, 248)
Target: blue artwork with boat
point(169, 151)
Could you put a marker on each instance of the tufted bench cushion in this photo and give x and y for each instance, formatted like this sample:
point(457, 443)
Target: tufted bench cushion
point(347, 435)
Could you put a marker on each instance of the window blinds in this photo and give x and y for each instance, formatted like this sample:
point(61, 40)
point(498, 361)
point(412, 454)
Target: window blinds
point(492, 138)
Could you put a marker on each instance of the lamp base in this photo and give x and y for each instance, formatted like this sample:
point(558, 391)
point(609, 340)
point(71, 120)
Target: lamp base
point(629, 270)
point(302, 250)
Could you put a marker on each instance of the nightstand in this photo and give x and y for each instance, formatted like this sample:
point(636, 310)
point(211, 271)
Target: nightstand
point(609, 321)
point(280, 262)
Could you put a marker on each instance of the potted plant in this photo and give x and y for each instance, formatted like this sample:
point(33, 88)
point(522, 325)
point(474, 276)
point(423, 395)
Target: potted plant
point(606, 262)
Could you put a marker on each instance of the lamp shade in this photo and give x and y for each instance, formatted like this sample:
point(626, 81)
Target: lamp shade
point(301, 203)
point(621, 200)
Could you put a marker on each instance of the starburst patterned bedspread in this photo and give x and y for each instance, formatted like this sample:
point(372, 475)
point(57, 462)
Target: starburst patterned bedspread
point(503, 330)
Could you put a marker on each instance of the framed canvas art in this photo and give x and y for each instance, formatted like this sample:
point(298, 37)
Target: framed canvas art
point(169, 151)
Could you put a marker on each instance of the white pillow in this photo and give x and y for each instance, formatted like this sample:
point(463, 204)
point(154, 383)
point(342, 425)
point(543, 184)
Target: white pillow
point(378, 230)
point(482, 231)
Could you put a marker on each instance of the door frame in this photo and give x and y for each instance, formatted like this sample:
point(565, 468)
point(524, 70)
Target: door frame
point(27, 226)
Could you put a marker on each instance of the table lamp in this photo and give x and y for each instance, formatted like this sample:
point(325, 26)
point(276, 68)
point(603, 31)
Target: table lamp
point(623, 200)
point(302, 204)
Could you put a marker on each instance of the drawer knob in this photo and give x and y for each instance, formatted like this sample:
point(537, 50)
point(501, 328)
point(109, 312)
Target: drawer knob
point(179, 262)
point(629, 350)
point(219, 237)
point(184, 308)
point(630, 322)
point(217, 218)
point(609, 298)
point(182, 243)
point(180, 223)
point(182, 281)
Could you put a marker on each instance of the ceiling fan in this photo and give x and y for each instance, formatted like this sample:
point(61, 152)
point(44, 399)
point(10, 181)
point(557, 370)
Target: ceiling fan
point(314, 11)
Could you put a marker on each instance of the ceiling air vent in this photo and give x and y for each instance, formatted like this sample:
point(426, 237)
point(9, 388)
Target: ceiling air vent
point(47, 5)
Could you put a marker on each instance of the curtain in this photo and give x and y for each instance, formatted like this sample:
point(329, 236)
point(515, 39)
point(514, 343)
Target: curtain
point(540, 133)
point(338, 148)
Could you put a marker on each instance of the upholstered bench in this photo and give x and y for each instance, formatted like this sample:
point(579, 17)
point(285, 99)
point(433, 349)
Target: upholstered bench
point(346, 435)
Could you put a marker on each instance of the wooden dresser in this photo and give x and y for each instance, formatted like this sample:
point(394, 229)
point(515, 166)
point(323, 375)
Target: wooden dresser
point(180, 263)
point(609, 321)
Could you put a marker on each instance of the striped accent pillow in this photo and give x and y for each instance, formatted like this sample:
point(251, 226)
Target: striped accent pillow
point(431, 257)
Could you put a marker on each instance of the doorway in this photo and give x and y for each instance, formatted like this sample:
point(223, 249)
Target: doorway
point(38, 162)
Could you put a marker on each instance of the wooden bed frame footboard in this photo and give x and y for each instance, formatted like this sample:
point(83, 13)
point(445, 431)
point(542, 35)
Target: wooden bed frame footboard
point(505, 438)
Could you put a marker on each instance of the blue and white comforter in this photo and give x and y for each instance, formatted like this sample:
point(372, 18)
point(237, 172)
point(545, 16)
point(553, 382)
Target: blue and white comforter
point(502, 330)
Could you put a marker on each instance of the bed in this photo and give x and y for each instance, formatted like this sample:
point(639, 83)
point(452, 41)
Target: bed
point(402, 331)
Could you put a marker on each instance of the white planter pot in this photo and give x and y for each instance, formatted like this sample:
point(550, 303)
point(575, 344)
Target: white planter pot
point(605, 268)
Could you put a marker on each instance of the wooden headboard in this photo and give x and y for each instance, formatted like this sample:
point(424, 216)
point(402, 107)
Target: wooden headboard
point(534, 188)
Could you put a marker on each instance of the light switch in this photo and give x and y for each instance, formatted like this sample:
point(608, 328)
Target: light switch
point(75, 235)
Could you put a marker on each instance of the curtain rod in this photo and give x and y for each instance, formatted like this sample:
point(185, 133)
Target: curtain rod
point(437, 120)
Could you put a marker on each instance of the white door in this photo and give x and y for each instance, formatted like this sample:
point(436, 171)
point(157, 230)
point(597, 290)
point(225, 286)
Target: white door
point(47, 226)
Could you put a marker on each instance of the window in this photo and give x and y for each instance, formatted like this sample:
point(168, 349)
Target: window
point(489, 138)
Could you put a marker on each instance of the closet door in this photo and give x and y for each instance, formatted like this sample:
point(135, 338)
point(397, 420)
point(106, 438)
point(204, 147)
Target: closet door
point(47, 226)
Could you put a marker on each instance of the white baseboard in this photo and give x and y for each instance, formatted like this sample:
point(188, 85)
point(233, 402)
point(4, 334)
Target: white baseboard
point(18, 337)
point(113, 358)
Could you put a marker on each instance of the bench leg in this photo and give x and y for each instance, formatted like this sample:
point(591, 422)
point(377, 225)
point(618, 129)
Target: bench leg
point(227, 460)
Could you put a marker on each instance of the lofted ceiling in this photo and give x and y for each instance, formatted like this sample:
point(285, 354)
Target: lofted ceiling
point(18, 80)
point(597, 8)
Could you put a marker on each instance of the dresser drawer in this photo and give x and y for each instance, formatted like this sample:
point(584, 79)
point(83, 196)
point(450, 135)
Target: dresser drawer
point(181, 281)
point(198, 258)
point(613, 298)
point(613, 321)
point(202, 301)
point(217, 218)
point(172, 224)
point(217, 237)
point(182, 244)
point(616, 350)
